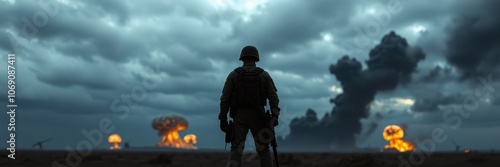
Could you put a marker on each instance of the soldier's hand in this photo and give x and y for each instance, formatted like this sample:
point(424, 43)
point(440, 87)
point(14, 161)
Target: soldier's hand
point(223, 122)
point(274, 120)
point(275, 111)
point(223, 125)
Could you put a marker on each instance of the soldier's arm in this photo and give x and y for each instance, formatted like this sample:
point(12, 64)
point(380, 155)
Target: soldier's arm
point(272, 93)
point(226, 96)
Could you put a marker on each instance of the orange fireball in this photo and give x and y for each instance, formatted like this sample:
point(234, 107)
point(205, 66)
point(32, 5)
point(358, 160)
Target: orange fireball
point(394, 134)
point(115, 140)
point(190, 138)
point(168, 128)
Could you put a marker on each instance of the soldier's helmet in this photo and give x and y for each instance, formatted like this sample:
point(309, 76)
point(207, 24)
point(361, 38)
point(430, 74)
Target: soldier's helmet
point(249, 51)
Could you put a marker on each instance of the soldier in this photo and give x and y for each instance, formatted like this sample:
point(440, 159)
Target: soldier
point(244, 96)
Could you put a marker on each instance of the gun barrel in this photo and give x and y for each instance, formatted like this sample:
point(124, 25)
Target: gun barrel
point(276, 161)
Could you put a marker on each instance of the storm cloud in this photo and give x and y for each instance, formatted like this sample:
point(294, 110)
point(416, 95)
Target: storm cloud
point(94, 60)
point(473, 44)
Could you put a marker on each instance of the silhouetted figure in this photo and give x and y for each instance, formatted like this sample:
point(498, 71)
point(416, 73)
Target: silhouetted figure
point(457, 147)
point(244, 96)
point(40, 143)
point(126, 145)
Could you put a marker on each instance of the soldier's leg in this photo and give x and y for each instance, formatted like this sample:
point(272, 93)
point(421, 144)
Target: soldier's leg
point(262, 138)
point(237, 145)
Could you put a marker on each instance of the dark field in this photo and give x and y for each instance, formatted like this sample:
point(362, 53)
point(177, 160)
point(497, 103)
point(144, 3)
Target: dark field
point(213, 159)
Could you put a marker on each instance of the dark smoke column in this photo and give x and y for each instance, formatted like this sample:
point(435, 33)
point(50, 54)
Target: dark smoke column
point(390, 63)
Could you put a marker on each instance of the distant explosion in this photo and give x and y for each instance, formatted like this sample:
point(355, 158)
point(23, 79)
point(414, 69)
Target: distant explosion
point(115, 140)
point(190, 138)
point(394, 135)
point(168, 128)
point(390, 63)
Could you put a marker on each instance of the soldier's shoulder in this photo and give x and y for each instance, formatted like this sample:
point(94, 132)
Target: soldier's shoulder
point(265, 73)
point(233, 73)
point(263, 70)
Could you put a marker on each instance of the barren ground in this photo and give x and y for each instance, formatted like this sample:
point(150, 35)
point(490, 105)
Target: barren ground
point(213, 159)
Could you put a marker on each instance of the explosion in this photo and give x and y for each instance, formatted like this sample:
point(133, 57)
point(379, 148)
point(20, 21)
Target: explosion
point(190, 138)
point(115, 140)
point(168, 127)
point(394, 134)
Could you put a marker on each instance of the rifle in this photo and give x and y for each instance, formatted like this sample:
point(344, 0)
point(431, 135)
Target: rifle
point(274, 144)
point(229, 133)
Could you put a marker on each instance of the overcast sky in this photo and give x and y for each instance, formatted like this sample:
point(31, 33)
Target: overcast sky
point(78, 62)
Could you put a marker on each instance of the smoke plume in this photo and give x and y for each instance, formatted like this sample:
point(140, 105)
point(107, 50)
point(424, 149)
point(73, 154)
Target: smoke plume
point(390, 63)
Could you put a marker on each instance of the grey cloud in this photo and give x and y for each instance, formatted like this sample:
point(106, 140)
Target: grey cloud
point(422, 12)
point(304, 60)
point(476, 51)
point(53, 104)
point(179, 61)
point(97, 39)
point(432, 102)
point(436, 73)
point(284, 28)
point(120, 9)
point(67, 78)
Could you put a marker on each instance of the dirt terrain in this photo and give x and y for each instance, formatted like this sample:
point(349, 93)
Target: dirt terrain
point(213, 159)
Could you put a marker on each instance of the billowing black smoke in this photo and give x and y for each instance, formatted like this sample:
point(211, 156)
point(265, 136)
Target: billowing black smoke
point(390, 63)
point(473, 44)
